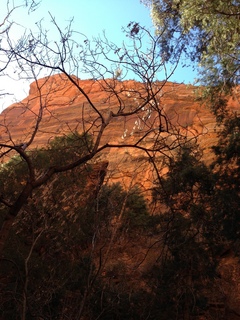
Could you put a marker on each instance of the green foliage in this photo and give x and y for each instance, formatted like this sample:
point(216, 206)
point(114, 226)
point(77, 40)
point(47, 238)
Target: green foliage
point(227, 191)
point(187, 267)
point(112, 201)
point(62, 150)
point(207, 33)
point(187, 182)
point(13, 176)
point(201, 220)
point(228, 147)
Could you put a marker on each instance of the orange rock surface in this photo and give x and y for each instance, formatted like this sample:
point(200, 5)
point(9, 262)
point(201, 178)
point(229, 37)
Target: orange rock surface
point(63, 106)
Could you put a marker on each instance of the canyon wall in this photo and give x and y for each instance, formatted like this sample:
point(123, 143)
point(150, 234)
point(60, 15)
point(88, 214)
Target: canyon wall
point(62, 106)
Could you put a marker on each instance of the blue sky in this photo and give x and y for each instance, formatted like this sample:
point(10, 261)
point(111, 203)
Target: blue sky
point(91, 17)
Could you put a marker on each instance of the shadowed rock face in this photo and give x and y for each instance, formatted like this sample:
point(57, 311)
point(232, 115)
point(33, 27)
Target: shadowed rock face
point(63, 105)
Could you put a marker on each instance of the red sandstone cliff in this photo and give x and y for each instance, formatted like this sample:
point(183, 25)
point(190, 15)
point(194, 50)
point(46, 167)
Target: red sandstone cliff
point(62, 107)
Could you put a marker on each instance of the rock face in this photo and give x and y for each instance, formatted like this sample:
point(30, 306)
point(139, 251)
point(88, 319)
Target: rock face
point(62, 106)
point(57, 105)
